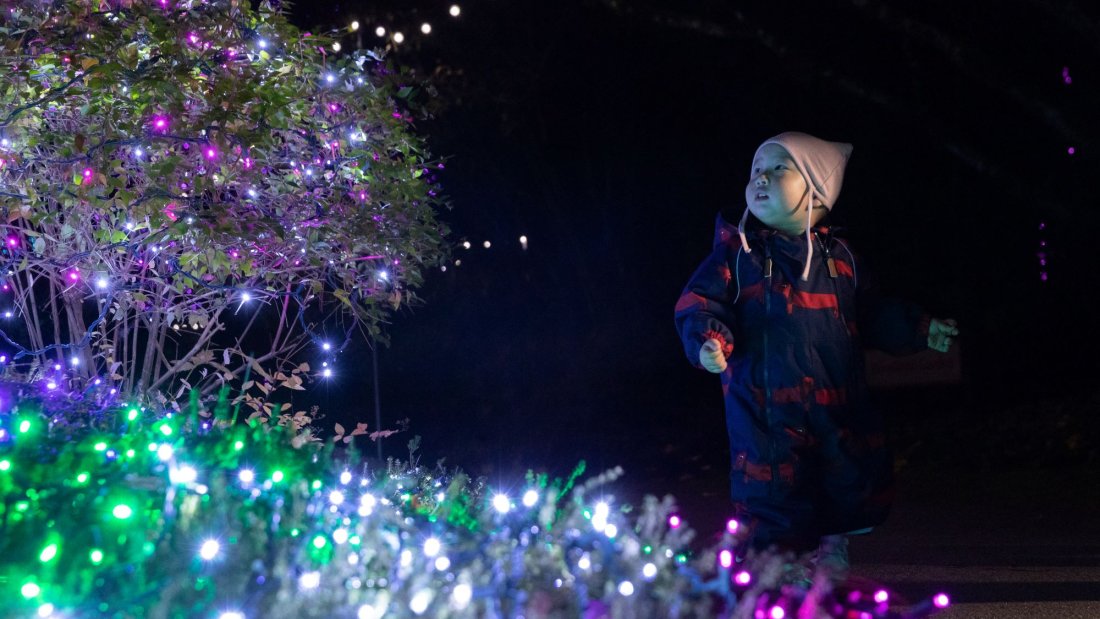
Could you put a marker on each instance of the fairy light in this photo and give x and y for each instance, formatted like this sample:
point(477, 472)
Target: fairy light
point(777, 612)
point(309, 580)
point(461, 595)
point(432, 546)
point(420, 601)
point(882, 596)
point(649, 571)
point(442, 564)
point(742, 578)
point(398, 37)
point(426, 28)
point(725, 559)
point(336, 46)
point(501, 503)
point(354, 26)
point(231, 614)
point(530, 498)
point(523, 242)
point(336, 497)
point(455, 10)
point(941, 600)
point(626, 588)
point(209, 550)
point(380, 31)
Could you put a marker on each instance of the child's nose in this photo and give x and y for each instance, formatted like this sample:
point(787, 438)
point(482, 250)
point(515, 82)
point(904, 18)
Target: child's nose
point(761, 180)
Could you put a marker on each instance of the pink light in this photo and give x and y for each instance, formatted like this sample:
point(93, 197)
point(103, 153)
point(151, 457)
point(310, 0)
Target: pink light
point(1071, 150)
point(881, 596)
point(74, 275)
point(742, 578)
point(732, 526)
point(247, 163)
point(332, 107)
point(12, 241)
point(88, 173)
point(941, 600)
point(674, 521)
point(777, 613)
point(725, 559)
point(211, 153)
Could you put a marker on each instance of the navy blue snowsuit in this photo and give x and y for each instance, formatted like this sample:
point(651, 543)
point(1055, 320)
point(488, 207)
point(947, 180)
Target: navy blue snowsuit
point(808, 451)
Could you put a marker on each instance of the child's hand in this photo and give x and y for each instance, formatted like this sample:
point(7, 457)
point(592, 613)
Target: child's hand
point(711, 357)
point(941, 334)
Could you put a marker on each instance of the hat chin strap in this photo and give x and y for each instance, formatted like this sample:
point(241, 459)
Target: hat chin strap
point(809, 237)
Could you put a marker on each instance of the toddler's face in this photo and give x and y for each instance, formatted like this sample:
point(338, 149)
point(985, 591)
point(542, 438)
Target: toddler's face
point(777, 194)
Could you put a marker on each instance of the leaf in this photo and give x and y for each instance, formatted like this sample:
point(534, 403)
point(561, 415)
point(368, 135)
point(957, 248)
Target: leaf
point(339, 429)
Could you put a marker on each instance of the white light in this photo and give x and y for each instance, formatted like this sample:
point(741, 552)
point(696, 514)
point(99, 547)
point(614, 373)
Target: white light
point(380, 31)
point(426, 28)
point(442, 563)
point(74, 361)
point(164, 452)
point(310, 580)
point(340, 536)
point(336, 497)
point(327, 372)
point(345, 477)
point(384, 275)
point(462, 595)
point(406, 558)
point(626, 587)
point(584, 562)
point(326, 346)
point(183, 475)
point(336, 46)
point(420, 601)
point(649, 571)
point(466, 245)
point(101, 283)
point(209, 549)
point(246, 476)
point(245, 297)
point(432, 547)
point(262, 43)
point(530, 498)
point(354, 26)
point(330, 78)
point(138, 153)
point(455, 10)
point(231, 614)
point(501, 503)
point(366, 611)
point(487, 244)
point(611, 531)
point(252, 193)
point(45, 610)
point(398, 37)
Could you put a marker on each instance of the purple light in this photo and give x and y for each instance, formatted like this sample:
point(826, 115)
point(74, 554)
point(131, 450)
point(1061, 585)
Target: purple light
point(742, 578)
point(74, 275)
point(211, 153)
point(732, 526)
point(725, 559)
point(941, 600)
point(674, 521)
point(247, 163)
point(88, 173)
point(1043, 276)
point(3, 358)
point(12, 241)
point(1071, 150)
point(881, 596)
point(777, 613)
point(160, 123)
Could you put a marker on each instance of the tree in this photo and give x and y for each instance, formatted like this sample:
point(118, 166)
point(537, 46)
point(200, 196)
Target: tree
point(195, 191)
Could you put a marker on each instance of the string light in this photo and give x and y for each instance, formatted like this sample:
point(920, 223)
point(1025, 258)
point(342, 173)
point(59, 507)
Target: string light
point(455, 10)
point(426, 28)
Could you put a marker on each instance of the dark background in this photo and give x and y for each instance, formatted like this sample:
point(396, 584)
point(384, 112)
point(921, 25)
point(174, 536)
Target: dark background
point(611, 132)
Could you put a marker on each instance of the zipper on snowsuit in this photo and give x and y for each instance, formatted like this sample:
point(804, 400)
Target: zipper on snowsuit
point(767, 384)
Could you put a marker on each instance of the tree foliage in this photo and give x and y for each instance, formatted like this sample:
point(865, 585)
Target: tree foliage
point(195, 190)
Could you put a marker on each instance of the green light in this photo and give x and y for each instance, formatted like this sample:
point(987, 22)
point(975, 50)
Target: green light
point(82, 478)
point(48, 553)
point(5, 465)
point(96, 556)
point(316, 484)
point(681, 558)
point(24, 426)
point(122, 511)
point(100, 446)
point(129, 453)
point(319, 542)
point(239, 445)
point(132, 414)
point(647, 549)
point(152, 446)
point(166, 430)
point(355, 540)
point(30, 590)
point(22, 506)
point(277, 476)
point(294, 532)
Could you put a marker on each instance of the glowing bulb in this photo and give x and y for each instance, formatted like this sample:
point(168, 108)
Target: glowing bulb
point(674, 521)
point(777, 612)
point(881, 596)
point(262, 43)
point(101, 283)
point(330, 78)
point(277, 476)
point(209, 549)
point(530, 498)
point(354, 26)
point(231, 614)
point(442, 563)
point(462, 594)
point(30, 590)
point(398, 37)
point(501, 503)
point(336, 46)
point(584, 562)
point(327, 372)
point(345, 477)
point(336, 497)
point(486, 244)
point(183, 475)
point(138, 153)
point(455, 11)
point(649, 571)
point(426, 28)
point(742, 578)
point(95, 556)
point(45, 610)
point(48, 553)
point(432, 546)
point(310, 580)
point(326, 346)
point(626, 587)
point(420, 601)
point(732, 526)
point(380, 31)
point(122, 511)
point(941, 600)
point(246, 476)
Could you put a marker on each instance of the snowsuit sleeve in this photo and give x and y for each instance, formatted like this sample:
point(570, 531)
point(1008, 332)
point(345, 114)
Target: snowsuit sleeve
point(894, 326)
point(705, 307)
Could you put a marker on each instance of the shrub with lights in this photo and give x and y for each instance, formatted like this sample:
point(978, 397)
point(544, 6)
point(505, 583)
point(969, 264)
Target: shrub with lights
point(191, 190)
point(132, 512)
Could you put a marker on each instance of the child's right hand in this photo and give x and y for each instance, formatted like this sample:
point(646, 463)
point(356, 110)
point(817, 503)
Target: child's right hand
point(711, 357)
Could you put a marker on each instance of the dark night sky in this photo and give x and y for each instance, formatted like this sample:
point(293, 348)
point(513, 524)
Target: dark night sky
point(611, 133)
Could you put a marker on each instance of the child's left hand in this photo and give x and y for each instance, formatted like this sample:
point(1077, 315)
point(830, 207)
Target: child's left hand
point(941, 334)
